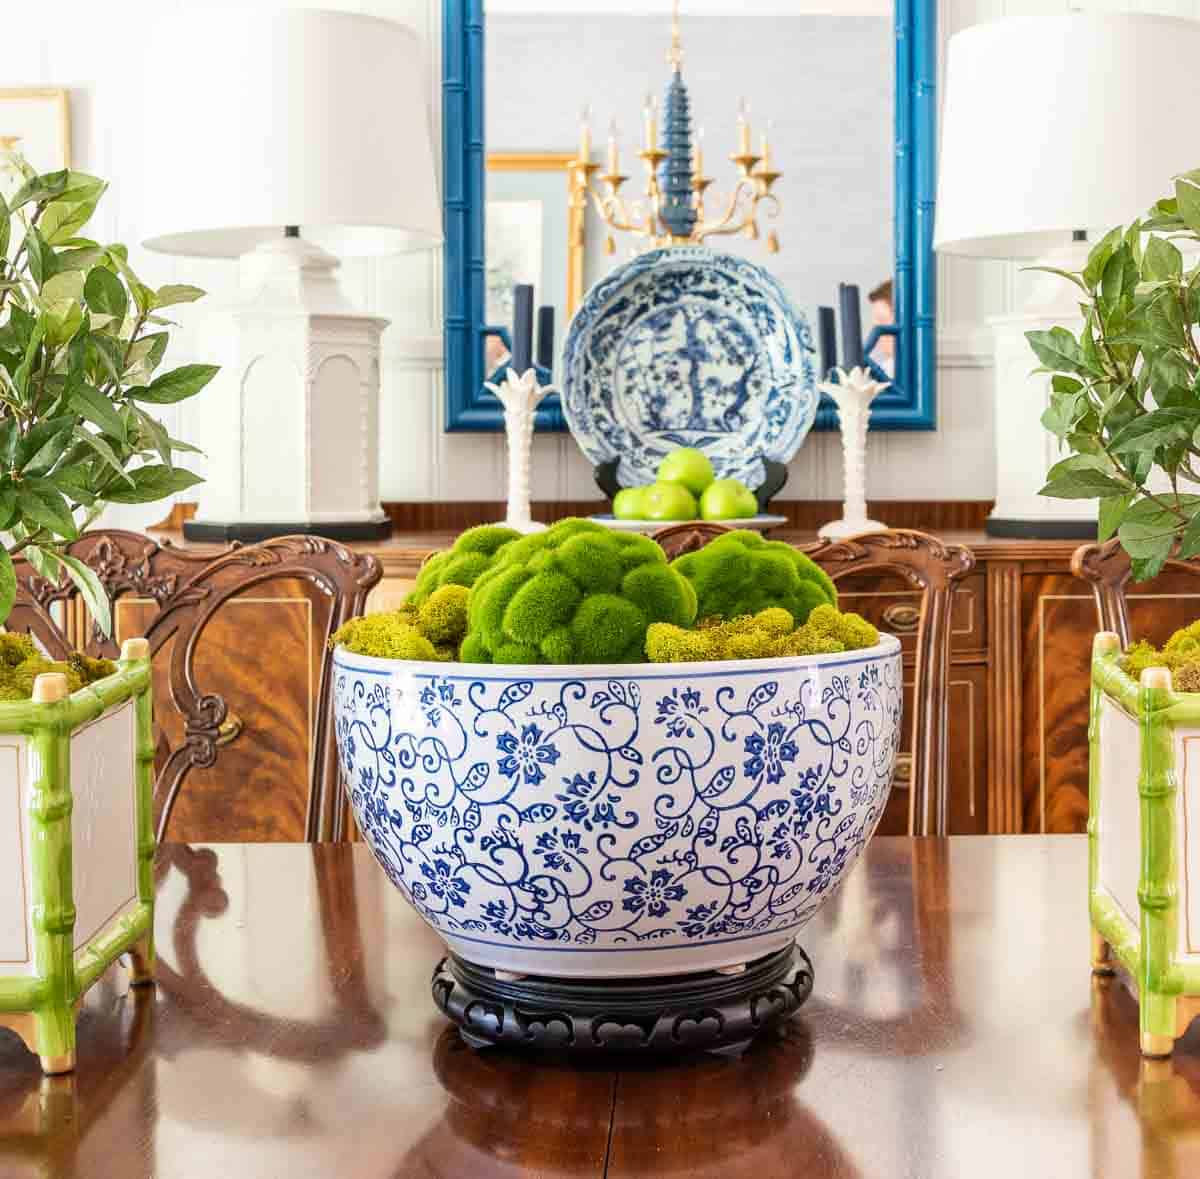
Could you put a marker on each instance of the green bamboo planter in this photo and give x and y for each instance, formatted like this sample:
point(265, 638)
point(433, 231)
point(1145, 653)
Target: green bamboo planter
point(76, 848)
point(1144, 841)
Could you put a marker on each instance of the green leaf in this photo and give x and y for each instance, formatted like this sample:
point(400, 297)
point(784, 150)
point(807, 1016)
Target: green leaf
point(108, 354)
point(1063, 412)
point(143, 296)
point(45, 505)
point(40, 188)
point(175, 293)
point(5, 227)
point(1099, 255)
point(1119, 278)
point(1112, 511)
point(105, 293)
point(8, 584)
point(156, 434)
point(39, 255)
point(90, 403)
point(64, 219)
point(152, 483)
point(102, 448)
point(1057, 349)
point(92, 589)
point(1189, 544)
point(67, 284)
point(8, 506)
point(1187, 195)
point(1162, 260)
point(176, 385)
point(42, 460)
point(1063, 384)
point(1146, 568)
point(1155, 429)
point(1088, 483)
point(45, 563)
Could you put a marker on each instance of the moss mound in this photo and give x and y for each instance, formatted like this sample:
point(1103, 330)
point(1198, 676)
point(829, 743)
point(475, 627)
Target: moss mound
point(742, 573)
point(1180, 654)
point(21, 663)
point(576, 593)
point(473, 553)
point(765, 635)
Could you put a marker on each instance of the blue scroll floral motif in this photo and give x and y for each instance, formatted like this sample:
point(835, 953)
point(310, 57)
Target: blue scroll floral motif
point(617, 811)
point(689, 347)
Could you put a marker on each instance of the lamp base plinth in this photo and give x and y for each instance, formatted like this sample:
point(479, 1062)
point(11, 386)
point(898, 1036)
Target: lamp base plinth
point(1033, 529)
point(247, 531)
point(708, 1011)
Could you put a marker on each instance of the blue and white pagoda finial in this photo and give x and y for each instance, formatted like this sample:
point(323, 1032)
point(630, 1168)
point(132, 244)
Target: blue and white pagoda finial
point(678, 212)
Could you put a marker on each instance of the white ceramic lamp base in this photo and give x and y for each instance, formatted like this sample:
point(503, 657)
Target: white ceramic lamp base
point(852, 393)
point(304, 456)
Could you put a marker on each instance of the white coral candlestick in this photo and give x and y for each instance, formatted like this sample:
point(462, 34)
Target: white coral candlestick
point(853, 393)
point(520, 396)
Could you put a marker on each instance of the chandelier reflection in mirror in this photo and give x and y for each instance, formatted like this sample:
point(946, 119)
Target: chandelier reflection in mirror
point(673, 211)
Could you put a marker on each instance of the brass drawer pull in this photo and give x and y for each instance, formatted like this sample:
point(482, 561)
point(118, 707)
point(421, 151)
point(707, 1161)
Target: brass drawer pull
point(902, 617)
point(229, 729)
point(902, 778)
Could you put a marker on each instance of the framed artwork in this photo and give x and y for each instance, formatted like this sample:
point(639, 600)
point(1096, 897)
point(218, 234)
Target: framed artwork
point(533, 233)
point(36, 121)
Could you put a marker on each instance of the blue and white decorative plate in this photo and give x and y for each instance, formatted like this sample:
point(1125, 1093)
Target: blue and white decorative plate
point(686, 346)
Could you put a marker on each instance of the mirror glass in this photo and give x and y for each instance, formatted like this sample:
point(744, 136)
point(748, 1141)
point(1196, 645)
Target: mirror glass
point(817, 77)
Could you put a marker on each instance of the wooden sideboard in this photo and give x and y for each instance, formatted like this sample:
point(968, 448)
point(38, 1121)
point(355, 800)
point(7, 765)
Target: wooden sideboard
point(1021, 640)
point(1022, 627)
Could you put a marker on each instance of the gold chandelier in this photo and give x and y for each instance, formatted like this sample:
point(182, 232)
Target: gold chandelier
point(673, 211)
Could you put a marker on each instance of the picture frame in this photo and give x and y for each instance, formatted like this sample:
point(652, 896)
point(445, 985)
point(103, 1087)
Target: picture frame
point(36, 120)
point(534, 232)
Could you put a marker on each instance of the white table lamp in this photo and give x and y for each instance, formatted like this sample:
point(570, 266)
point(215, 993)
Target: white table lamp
point(288, 138)
point(1055, 127)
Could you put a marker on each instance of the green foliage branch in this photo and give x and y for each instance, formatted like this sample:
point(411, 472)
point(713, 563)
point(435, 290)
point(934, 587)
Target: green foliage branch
point(81, 342)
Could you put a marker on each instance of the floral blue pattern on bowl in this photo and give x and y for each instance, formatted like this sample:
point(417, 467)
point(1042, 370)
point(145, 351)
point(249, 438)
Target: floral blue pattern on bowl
point(622, 821)
point(686, 346)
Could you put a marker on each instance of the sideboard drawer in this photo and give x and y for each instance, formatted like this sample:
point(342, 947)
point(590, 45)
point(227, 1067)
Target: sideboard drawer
point(895, 607)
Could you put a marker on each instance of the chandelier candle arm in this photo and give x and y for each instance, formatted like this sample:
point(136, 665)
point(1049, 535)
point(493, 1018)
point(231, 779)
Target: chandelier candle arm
point(852, 393)
point(520, 396)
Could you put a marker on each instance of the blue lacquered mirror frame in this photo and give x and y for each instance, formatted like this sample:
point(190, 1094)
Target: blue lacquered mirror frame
point(911, 402)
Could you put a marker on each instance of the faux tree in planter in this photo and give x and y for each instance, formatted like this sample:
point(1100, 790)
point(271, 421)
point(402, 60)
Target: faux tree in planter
point(82, 339)
point(1125, 400)
point(1125, 403)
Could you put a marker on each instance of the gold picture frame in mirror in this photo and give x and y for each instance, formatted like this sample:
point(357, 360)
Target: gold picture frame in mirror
point(536, 231)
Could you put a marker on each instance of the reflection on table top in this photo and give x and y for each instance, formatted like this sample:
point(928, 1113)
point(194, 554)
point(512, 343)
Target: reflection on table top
point(953, 1031)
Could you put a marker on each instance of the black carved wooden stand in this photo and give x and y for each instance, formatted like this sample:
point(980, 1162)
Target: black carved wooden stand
point(706, 1011)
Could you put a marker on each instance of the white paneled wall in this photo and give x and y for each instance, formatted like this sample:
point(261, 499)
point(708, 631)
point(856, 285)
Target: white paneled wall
point(92, 50)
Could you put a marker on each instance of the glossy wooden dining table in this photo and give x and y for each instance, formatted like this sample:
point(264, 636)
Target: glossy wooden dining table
point(954, 1031)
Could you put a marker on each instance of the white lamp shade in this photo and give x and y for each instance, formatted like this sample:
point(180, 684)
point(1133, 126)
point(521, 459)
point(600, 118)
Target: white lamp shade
point(1058, 123)
point(257, 120)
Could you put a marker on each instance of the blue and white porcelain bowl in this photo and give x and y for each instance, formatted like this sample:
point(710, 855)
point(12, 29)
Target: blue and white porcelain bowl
point(622, 821)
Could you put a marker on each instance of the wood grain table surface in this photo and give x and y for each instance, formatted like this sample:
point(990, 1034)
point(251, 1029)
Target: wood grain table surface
point(954, 1032)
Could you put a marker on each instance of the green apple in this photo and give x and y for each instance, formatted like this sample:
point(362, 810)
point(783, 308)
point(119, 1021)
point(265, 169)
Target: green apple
point(687, 466)
point(627, 503)
point(667, 501)
point(727, 499)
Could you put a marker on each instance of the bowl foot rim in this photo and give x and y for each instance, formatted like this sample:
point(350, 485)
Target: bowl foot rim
point(700, 1011)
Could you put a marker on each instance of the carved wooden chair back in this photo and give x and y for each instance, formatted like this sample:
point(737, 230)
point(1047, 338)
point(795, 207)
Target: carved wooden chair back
point(1106, 569)
point(243, 677)
point(925, 563)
